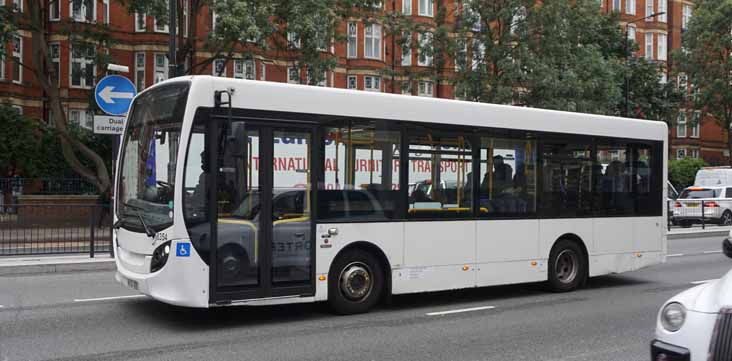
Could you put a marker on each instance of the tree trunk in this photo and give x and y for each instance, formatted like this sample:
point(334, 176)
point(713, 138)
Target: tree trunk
point(71, 147)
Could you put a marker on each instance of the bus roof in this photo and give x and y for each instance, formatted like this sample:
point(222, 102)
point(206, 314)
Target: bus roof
point(283, 97)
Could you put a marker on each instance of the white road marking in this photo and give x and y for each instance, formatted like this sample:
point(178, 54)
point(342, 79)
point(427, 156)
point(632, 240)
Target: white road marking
point(675, 255)
point(710, 252)
point(441, 313)
point(107, 298)
point(702, 282)
point(1, 306)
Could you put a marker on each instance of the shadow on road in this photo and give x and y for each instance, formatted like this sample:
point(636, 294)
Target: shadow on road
point(526, 295)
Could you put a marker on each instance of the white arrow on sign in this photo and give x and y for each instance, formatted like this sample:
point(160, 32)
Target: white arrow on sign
point(108, 95)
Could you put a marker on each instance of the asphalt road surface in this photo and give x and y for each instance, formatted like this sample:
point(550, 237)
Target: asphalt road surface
point(86, 316)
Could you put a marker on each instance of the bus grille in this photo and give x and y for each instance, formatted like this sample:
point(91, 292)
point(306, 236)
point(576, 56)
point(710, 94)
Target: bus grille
point(721, 346)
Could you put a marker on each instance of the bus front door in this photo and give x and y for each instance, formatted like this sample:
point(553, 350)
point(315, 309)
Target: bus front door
point(263, 230)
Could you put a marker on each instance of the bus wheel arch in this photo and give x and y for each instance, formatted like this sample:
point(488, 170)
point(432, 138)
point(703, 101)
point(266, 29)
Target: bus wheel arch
point(568, 263)
point(358, 256)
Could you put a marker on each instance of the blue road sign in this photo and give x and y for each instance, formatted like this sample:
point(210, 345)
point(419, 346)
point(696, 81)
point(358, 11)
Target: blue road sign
point(183, 250)
point(114, 94)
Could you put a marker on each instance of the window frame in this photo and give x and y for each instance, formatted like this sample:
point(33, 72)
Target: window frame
point(681, 124)
point(426, 8)
point(649, 46)
point(374, 39)
point(17, 53)
point(661, 47)
point(352, 40)
point(140, 68)
point(83, 11)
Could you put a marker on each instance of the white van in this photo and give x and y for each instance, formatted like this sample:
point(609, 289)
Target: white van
point(713, 176)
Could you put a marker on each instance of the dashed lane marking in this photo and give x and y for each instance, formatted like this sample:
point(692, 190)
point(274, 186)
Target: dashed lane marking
point(702, 282)
point(675, 255)
point(107, 298)
point(442, 313)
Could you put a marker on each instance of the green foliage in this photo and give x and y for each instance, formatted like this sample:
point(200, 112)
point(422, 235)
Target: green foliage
point(681, 172)
point(19, 143)
point(705, 58)
point(649, 98)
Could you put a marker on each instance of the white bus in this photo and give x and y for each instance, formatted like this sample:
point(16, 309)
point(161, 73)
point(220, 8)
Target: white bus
point(242, 192)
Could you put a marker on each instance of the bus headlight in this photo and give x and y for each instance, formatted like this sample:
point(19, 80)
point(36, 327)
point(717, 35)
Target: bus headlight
point(673, 316)
point(159, 257)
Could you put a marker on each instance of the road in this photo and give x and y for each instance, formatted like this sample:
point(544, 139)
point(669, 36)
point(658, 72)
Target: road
point(70, 317)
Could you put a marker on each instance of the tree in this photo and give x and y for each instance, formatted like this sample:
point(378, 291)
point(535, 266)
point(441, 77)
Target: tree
point(681, 172)
point(86, 39)
point(649, 97)
point(18, 143)
point(705, 58)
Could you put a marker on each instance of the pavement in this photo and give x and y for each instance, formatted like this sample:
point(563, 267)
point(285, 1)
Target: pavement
point(88, 316)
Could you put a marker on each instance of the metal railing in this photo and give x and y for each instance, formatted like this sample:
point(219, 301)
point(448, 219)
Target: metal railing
point(46, 186)
point(688, 213)
point(39, 229)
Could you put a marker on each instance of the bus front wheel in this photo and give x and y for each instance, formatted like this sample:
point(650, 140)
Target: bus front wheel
point(355, 282)
point(567, 266)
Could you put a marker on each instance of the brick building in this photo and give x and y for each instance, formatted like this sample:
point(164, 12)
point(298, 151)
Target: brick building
point(362, 59)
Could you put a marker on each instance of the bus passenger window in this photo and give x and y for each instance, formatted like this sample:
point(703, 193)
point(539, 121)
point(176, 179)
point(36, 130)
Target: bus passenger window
point(361, 171)
point(508, 177)
point(440, 171)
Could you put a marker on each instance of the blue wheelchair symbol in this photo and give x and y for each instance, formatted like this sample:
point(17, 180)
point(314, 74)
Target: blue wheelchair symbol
point(183, 250)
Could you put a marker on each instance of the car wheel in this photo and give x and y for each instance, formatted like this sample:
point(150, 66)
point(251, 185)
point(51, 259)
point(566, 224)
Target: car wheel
point(233, 263)
point(726, 219)
point(355, 282)
point(567, 267)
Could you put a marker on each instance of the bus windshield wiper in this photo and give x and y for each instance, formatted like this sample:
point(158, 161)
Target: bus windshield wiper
point(148, 230)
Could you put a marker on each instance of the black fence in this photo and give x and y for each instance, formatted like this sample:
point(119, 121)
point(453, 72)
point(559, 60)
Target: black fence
point(38, 229)
point(45, 186)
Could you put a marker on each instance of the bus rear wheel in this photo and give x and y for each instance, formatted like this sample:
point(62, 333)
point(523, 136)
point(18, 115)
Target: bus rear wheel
point(355, 282)
point(567, 267)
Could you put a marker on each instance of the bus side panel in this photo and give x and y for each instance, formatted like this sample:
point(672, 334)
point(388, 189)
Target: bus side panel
point(614, 235)
point(388, 236)
point(437, 256)
point(648, 233)
point(551, 229)
point(506, 250)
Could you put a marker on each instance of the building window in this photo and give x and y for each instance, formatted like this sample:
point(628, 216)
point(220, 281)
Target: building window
point(695, 154)
point(662, 47)
point(649, 46)
point(83, 10)
point(685, 16)
point(18, 5)
point(351, 82)
point(81, 117)
point(407, 7)
point(424, 57)
point(631, 33)
point(406, 87)
point(82, 67)
point(140, 71)
point(630, 7)
point(55, 49)
point(695, 124)
point(681, 125)
point(140, 24)
point(407, 49)
point(293, 40)
point(649, 10)
point(105, 11)
point(159, 25)
point(2, 61)
point(372, 41)
point(426, 7)
point(293, 75)
point(17, 59)
point(372, 83)
point(219, 67)
point(323, 79)
point(54, 10)
point(662, 8)
point(352, 40)
point(616, 5)
point(426, 88)
point(680, 153)
point(161, 67)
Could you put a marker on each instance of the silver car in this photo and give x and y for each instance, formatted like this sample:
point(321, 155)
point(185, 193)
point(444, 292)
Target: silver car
point(715, 203)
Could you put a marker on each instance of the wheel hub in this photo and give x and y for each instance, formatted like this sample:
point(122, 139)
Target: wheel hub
point(566, 266)
point(356, 281)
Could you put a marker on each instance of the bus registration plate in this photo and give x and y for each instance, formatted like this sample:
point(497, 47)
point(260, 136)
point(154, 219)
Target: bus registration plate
point(133, 284)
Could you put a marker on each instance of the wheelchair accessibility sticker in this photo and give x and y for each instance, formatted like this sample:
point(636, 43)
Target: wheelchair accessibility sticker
point(183, 250)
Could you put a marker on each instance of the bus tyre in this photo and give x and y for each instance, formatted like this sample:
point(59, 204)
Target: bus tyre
point(233, 263)
point(355, 282)
point(567, 267)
